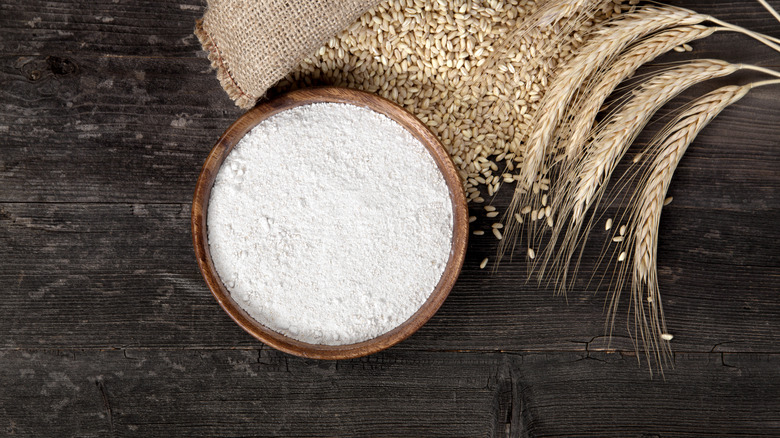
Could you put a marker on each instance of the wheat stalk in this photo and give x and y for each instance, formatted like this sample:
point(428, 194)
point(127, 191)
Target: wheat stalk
point(769, 8)
point(764, 39)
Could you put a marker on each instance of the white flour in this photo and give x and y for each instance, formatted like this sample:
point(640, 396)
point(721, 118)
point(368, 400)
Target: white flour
point(330, 223)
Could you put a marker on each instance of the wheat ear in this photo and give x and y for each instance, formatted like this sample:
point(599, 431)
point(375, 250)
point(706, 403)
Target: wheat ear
point(670, 145)
point(582, 113)
point(620, 130)
point(581, 185)
point(606, 42)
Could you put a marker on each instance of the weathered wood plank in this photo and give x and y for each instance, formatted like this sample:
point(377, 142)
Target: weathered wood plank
point(112, 129)
point(250, 393)
point(137, 28)
point(604, 395)
point(123, 275)
point(266, 393)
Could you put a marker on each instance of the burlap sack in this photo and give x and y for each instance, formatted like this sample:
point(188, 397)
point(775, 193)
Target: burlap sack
point(254, 43)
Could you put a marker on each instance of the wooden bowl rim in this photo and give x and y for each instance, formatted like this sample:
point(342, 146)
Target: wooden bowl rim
point(244, 124)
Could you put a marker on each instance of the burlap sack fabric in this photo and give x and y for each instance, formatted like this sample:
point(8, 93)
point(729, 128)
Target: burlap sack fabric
point(254, 43)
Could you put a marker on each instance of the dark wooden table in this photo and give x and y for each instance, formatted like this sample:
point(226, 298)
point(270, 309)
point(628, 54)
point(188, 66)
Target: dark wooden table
point(108, 110)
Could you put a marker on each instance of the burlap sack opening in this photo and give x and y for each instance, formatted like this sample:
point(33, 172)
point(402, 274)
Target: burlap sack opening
point(254, 43)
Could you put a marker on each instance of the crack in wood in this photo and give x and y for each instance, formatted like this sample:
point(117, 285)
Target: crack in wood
point(106, 405)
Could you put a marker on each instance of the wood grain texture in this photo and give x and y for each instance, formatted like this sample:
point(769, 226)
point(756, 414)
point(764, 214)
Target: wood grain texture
point(705, 395)
point(251, 393)
point(114, 130)
point(268, 393)
point(141, 28)
point(108, 110)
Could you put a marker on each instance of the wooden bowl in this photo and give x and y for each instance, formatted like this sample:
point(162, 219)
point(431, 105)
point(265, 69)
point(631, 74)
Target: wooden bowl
point(338, 95)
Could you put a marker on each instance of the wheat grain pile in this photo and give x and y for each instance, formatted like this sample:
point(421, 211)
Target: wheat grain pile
point(449, 63)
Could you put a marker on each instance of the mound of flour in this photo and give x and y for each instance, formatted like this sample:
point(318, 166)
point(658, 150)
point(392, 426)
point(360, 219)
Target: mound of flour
point(330, 223)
